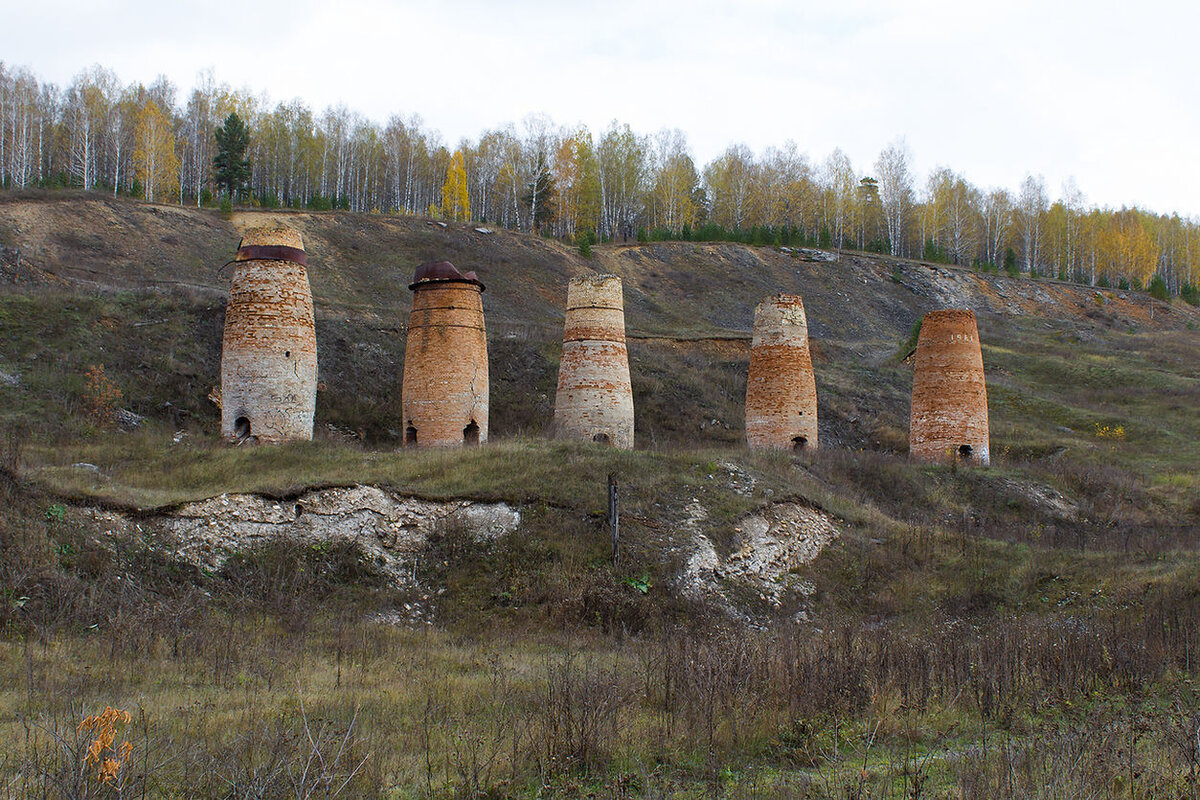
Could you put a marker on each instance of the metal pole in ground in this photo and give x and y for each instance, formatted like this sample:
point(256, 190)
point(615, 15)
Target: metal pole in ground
point(614, 519)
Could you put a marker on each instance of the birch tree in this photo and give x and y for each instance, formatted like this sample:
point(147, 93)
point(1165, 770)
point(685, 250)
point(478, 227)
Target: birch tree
point(621, 156)
point(674, 182)
point(155, 162)
point(87, 108)
point(839, 183)
point(577, 183)
point(487, 160)
point(895, 192)
point(728, 179)
point(955, 205)
point(1031, 208)
point(996, 214)
point(535, 151)
point(786, 176)
point(1073, 201)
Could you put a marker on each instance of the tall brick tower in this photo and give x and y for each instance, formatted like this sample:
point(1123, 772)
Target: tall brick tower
point(594, 401)
point(949, 396)
point(781, 391)
point(445, 389)
point(269, 348)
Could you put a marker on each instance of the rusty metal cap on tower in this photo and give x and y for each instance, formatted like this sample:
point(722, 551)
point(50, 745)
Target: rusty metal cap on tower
point(271, 244)
point(432, 271)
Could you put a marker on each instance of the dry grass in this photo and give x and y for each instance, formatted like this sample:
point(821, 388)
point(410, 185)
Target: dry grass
point(426, 713)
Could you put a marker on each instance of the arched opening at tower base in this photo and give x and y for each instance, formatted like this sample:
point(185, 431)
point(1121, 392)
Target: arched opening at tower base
point(410, 435)
point(965, 452)
point(471, 434)
point(241, 427)
point(799, 443)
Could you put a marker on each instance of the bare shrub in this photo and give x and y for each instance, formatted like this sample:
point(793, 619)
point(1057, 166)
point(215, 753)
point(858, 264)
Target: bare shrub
point(581, 714)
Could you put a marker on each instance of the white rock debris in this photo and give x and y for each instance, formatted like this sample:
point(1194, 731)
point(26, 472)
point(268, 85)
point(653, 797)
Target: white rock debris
point(770, 545)
point(390, 528)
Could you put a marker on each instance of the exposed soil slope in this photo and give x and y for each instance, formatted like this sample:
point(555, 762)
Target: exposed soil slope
point(361, 265)
point(689, 313)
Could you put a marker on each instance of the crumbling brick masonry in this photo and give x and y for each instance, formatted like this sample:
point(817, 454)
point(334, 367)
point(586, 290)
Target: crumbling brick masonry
point(949, 396)
point(445, 389)
point(781, 391)
point(269, 349)
point(594, 402)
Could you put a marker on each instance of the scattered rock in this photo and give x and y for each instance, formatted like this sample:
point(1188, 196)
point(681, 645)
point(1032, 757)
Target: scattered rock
point(343, 433)
point(740, 481)
point(488, 521)
point(405, 616)
point(127, 419)
point(699, 573)
point(771, 544)
point(484, 231)
point(816, 255)
point(1049, 501)
point(9, 378)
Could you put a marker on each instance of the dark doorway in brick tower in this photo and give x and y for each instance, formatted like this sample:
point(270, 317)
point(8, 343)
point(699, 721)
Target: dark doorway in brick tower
point(471, 434)
point(410, 434)
point(964, 452)
point(241, 427)
point(601, 438)
point(799, 443)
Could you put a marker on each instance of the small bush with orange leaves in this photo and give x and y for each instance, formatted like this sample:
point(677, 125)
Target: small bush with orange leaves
point(100, 396)
point(105, 757)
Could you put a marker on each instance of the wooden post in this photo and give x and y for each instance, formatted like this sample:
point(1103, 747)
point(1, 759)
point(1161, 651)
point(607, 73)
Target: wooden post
point(614, 518)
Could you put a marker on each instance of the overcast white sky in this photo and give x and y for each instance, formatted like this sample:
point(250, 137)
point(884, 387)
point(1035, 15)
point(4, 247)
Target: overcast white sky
point(1106, 92)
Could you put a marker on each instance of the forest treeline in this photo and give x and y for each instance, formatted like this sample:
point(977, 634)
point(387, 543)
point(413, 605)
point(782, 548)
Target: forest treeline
point(102, 135)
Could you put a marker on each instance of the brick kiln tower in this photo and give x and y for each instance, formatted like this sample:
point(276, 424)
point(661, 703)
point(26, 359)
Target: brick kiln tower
point(445, 389)
point(949, 396)
point(594, 402)
point(269, 348)
point(781, 392)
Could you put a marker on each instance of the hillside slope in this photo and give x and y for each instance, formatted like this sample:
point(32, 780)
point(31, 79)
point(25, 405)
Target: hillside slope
point(361, 264)
point(831, 624)
point(139, 288)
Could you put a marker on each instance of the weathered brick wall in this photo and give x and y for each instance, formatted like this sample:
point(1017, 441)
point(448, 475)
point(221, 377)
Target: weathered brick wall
point(594, 401)
point(269, 349)
point(445, 389)
point(781, 391)
point(949, 397)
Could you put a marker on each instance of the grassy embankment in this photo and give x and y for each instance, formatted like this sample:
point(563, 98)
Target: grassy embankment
point(934, 658)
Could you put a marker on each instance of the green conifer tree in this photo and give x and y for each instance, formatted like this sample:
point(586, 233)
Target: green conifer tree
point(231, 168)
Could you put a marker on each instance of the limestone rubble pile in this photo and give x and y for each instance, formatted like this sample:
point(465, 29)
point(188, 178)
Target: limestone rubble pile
point(391, 529)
